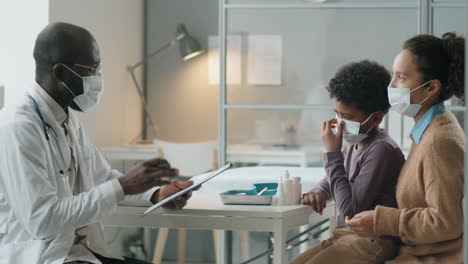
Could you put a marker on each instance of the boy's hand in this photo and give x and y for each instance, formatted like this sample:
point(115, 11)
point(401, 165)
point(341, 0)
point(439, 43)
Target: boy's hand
point(315, 200)
point(332, 142)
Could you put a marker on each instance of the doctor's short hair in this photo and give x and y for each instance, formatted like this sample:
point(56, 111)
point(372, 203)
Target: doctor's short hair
point(363, 85)
point(58, 42)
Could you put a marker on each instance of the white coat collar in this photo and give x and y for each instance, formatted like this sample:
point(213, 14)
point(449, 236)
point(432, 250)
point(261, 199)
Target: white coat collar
point(58, 112)
point(58, 135)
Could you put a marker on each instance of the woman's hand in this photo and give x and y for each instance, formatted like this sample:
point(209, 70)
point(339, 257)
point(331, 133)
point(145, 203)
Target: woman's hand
point(362, 223)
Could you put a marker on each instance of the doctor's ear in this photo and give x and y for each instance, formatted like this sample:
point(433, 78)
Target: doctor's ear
point(58, 72)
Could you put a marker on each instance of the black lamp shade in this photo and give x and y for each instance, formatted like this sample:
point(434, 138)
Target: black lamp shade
point(188, 46)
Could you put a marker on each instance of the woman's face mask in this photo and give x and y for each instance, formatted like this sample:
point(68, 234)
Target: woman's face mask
point(399, 99)
point(351, 130)
point(93, 87)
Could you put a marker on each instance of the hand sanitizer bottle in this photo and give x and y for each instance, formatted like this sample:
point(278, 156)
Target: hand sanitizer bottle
point(297, 189)
point(287, 189)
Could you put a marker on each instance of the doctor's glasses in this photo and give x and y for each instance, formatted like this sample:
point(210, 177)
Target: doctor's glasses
point(95, 70)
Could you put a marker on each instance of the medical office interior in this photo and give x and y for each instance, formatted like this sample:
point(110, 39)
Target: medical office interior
point(206, 82)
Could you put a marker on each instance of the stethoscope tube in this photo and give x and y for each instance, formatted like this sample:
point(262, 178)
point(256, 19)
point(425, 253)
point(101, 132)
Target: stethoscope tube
point(46, 127)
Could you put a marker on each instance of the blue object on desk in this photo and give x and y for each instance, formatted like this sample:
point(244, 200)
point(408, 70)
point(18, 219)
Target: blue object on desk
point(272, 188)
point(250, 197)
point(236, 192)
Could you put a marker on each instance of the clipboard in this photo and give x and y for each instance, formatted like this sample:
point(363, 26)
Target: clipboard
point(188, 189)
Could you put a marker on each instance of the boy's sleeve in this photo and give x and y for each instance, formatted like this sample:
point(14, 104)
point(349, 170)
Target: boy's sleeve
point(324, 188)
point(377, 169)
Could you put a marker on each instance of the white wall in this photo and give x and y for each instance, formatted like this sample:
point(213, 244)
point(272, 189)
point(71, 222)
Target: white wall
point(118, 27)
point(183, 105)
point(19, 27)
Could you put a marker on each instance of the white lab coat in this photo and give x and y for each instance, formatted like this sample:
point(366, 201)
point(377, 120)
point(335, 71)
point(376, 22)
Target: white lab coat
point(38, 212)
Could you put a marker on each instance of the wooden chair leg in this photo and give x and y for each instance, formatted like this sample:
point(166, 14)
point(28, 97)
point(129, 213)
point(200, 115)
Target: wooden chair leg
point(215, 246)
point(244, 245)
point(160, 245)
point(181, 244)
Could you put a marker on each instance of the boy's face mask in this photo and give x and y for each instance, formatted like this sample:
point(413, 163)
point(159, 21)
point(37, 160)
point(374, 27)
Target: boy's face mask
point(351, 130)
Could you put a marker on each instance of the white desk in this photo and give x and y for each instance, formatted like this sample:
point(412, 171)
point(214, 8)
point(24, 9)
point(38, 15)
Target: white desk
point(240, 178)
point(206, 211)
point(244, 178)
point(234, 153)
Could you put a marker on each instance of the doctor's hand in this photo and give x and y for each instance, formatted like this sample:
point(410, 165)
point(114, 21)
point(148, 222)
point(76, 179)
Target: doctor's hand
point(146, 175)
point(332, 142)
point(362, 223)
point(315, 200)
point(170, 189)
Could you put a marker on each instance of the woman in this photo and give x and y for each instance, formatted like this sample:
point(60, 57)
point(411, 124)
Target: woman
point(429, 221)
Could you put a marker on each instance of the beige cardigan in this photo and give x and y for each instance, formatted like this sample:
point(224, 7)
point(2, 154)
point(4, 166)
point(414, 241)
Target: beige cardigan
point(429, 193)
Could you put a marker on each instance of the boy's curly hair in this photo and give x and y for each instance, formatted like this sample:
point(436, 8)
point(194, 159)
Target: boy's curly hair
point(363, 85)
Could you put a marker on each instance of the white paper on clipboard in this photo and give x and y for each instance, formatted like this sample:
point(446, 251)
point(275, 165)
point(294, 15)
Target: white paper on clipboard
point(181, 192)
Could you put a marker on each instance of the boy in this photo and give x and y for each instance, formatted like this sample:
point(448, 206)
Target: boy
point(362, 172)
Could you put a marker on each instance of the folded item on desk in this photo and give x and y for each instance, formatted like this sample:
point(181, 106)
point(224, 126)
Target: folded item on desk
point(251, 197)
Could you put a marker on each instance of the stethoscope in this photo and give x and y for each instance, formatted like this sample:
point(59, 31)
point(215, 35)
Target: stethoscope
point(47, 129)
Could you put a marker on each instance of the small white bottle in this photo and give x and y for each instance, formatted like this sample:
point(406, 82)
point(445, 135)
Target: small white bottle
point(287, 189)
point(297, 189)
point(280, 197)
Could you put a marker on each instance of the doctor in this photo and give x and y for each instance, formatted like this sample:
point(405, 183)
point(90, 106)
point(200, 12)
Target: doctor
point(55, 186)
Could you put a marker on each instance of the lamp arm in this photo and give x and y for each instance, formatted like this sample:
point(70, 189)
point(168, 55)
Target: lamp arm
point(143, 102)
point(132, 68)
point(154, 53)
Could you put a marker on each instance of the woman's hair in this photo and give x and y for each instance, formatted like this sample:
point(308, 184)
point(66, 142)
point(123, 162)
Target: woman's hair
point(363, 85)
point(442, 59)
